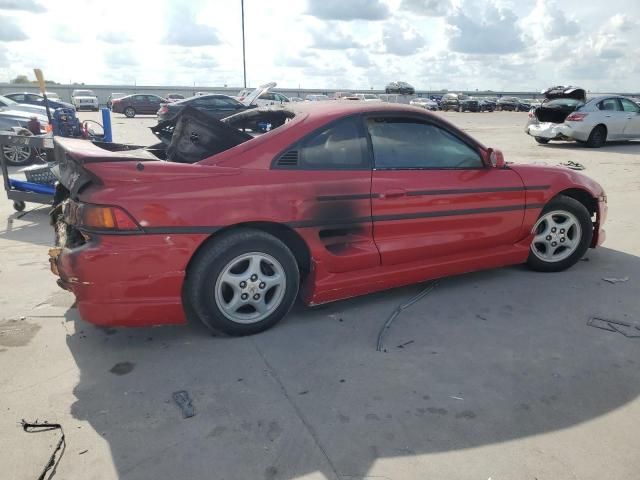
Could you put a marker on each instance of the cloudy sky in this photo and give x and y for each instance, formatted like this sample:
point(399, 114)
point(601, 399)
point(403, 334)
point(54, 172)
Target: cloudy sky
point(433, 44)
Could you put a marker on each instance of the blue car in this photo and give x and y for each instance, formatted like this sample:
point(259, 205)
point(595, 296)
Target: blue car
point(35, 99)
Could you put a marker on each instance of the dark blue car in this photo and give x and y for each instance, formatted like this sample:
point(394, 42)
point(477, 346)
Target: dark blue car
point(35, 99)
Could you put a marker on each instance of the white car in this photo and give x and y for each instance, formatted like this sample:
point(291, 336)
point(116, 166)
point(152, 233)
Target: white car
point(367, 97)
point(316, 98)
point(52, 96)
point(425, 103)
point(271, 98)
point(84, 99)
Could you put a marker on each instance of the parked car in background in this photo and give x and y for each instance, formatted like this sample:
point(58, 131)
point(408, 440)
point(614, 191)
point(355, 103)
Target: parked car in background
point(174, 97)
point(459, 102)
point(512, 104)
point(296, 99)
point(257, 223)
point(200, 94)
point(84, 99)
point(115, 96)
point(137, 104)
point(53, 95)
point(367, 97)
point(215, 105)
point(270, 98)
point(426, 103)
point(486, 104)
point(9, 120)
point(402, 88)
point(7, 104)
point(601, 119)
point(316, 98)
point(243, 93)
point(35, 99)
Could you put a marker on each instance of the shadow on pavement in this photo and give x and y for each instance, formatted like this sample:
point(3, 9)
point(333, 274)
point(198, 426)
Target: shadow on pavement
point(621, 147)
point(30, 226)
point(485, 358)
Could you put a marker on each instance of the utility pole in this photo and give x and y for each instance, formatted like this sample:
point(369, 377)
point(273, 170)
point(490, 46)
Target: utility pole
point(244, 61)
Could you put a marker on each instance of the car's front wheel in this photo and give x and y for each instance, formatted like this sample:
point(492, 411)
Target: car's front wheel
point(129, 112)
point(562, 235)
point(242, 283)
point(541, 141)
point(597, 137)
point(17, 155)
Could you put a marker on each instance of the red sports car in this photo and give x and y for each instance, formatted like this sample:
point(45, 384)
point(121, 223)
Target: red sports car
point(334, 200)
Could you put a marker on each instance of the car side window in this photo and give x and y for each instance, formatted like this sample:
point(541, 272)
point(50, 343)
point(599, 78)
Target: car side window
point(34, 98)
point(610, 104)
point(340, 146)
point(401, 143)
point(629, 106)
point(139, 98)
point(18, 97)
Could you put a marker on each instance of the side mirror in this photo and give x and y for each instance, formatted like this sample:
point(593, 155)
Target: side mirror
point(496, 158)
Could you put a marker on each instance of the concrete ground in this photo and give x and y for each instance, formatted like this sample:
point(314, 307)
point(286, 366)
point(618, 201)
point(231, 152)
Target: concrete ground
point(492, 375)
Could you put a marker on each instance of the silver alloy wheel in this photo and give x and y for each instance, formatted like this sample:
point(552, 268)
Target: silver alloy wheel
point(250, 287)
point(16, 155)
point(557, 236)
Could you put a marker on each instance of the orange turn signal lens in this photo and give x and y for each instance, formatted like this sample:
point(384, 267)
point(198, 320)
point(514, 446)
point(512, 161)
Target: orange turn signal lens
point(99, 217)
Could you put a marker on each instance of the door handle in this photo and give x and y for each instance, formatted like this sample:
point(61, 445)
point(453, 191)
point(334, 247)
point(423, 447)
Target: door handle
point(395, 193)
point(608, 116)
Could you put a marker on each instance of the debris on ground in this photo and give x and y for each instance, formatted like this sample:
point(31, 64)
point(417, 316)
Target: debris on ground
point(629, 330)
point(481, 317)
point(397, 311)
point(38, 427)
point(573, 165)
point(615, 280)
point(183, 400)
point(402, 345)
point(83, 452)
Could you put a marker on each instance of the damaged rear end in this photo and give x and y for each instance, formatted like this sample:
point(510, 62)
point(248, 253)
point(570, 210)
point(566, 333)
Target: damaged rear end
point(546, 122)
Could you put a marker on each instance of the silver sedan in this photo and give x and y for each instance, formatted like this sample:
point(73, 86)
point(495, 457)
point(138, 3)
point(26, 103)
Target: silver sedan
point(601, 119)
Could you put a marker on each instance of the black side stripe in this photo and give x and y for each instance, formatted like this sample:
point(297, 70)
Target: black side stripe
point(418, 193)
point(331, 198)
point(410, 216)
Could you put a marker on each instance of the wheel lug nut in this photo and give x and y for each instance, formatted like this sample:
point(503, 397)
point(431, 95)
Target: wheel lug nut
point(243, 284)
point(562, 230)
point(553, 244)
point(254, 277)
point(256, 296)
point(548, 237)
point(561, 240)
point(553, 229)
point(244, 296)
point(262, 285)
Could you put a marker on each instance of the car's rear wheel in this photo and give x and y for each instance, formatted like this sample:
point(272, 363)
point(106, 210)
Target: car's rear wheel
point(242, 283)
point(597, 137)
point(562, 235)
point(542, 141)
point(129, 112)
point(17, 155)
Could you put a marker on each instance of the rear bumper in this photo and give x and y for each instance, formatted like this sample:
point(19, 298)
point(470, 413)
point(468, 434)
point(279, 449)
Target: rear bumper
point(556, 131)
point(127, 280)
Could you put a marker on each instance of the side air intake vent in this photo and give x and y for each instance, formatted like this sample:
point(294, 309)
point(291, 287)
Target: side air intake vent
point(289, 159)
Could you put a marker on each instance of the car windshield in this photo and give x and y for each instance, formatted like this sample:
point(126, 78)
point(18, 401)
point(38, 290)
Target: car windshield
point(7, 100)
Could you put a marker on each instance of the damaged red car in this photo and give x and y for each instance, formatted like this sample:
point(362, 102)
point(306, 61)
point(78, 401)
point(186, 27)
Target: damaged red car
point(228, 222)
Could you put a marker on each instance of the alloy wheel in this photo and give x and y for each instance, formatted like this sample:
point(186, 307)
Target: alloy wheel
point(250, 287)
point(557, 236)
point(16, 155)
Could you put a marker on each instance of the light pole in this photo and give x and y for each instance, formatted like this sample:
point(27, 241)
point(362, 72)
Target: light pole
point(244, 61)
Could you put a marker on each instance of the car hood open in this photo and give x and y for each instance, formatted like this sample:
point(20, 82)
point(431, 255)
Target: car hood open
point(253, 96)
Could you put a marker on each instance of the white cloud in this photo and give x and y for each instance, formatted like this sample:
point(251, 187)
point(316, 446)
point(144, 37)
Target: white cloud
point(400, 38)
point(332, 37)
point(11, 30)
point(428, 8)
point(491, 30)
point(24, 5)
point(348, 9)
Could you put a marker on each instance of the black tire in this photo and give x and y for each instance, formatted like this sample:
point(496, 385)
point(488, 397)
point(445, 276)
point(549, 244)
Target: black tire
point(129, 112)
point(542, 141)
point(19, 205)
point(210, 262)
point(573, 206)
point(597, 137)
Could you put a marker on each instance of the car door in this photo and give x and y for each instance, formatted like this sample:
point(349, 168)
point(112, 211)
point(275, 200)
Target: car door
point(434, 198)
point(632, 112)
point(612, 115)
point(32, 99)
point(154, 103)
point(326, 185)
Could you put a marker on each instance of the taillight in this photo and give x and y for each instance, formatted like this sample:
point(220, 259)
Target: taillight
point(105, 217)
point(163, 109)
point(575, 117)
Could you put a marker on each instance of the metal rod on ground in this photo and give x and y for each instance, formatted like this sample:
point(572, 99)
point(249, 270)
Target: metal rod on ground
point(106, 125)
point(244, 62)
point(396, 312)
